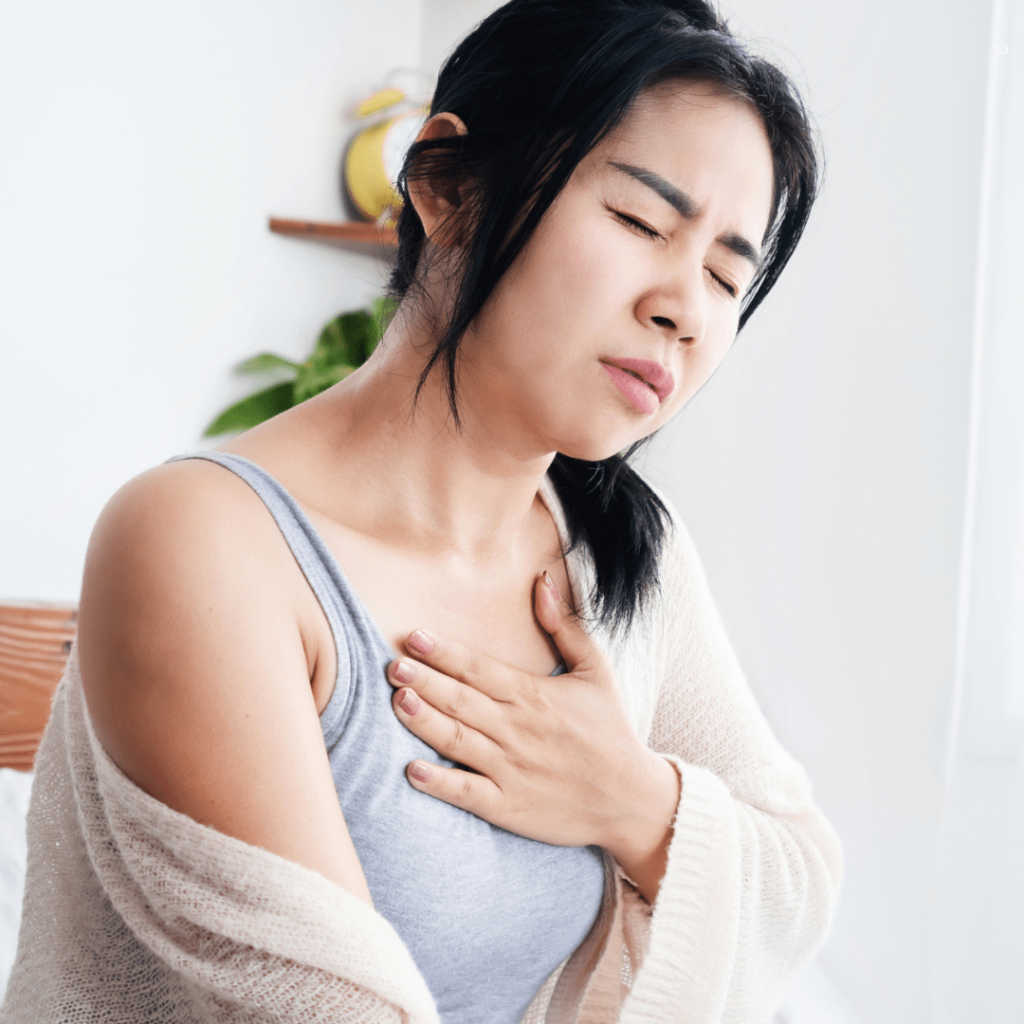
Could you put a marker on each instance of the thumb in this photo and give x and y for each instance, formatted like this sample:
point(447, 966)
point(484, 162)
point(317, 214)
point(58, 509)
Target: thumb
point(561, 623)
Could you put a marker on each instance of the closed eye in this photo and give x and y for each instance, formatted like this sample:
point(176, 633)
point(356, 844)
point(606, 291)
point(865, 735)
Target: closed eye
point(636, 224)
point(728, 288)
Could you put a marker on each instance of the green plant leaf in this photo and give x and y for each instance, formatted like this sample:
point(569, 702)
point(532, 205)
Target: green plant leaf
point(311, 381)
point(383, 311)
point(331, 347)
point(346, 341)
point(254, 409)
point(266, 361)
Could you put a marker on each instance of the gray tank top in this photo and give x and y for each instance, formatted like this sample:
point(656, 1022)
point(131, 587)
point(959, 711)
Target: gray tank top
point(486, 914)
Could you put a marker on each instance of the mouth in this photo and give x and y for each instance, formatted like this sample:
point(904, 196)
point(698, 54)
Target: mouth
point(648, 372)
point(642, 381)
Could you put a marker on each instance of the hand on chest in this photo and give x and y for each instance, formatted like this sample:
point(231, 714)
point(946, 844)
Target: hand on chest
point(487, 606)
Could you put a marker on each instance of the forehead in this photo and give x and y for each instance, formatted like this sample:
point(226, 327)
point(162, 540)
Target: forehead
point(702, 138)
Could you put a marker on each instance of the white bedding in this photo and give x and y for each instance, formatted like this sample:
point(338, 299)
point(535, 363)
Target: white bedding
point(14, 790)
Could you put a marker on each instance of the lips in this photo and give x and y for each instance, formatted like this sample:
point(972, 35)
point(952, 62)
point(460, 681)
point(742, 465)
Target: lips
point(653, 374)
point(634, 389)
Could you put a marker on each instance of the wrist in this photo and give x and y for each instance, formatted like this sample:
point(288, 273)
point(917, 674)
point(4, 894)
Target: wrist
point(640, 840)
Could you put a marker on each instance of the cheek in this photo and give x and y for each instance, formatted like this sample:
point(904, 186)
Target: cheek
point(576, 276)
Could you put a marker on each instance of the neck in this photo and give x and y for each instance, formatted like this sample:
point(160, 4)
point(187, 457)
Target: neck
point(469, 491)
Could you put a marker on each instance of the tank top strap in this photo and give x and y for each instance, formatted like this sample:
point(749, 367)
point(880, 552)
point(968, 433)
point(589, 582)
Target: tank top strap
point(350, 623)
point(305, 543)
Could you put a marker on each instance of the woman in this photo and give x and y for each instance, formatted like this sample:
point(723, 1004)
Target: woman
point(466, 671)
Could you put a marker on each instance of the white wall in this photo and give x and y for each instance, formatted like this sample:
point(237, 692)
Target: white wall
point(979, 942)
point(145, 146)
point(445, 22)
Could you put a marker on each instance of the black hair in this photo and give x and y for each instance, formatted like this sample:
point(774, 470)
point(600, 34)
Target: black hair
point(539, 83)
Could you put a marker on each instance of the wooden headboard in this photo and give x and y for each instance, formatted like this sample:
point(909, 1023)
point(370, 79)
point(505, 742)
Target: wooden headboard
point(35, 639)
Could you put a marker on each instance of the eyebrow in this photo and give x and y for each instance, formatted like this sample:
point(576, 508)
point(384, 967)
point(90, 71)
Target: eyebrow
point(688, 209)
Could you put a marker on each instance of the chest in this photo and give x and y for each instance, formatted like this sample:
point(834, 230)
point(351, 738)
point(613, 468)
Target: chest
point(488, 608)
point(486, 914)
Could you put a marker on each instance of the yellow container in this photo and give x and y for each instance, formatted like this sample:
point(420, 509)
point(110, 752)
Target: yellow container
point(373, 160)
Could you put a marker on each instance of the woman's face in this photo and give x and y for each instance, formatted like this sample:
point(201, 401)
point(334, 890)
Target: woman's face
point(638, 267)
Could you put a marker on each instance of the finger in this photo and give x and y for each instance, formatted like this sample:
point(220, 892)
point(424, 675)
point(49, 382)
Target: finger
point(447, 695)
point(474, 793)
point(448, 736)
point(559, 620)
point(490, 676)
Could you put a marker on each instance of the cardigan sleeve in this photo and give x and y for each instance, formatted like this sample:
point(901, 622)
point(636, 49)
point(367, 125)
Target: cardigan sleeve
point(753, 867)
point(136, 912)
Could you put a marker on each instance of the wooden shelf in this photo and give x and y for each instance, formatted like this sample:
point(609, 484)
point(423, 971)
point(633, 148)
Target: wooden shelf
point(353, 235)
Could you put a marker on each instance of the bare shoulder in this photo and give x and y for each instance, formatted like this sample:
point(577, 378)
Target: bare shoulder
point(194, 668)
point(188, 506)
point(178, 597)
point(181, 556)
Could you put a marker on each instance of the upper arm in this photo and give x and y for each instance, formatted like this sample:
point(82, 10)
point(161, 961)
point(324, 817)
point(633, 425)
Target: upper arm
point(195, 671)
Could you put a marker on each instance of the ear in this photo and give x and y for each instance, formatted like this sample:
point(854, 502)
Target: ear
point(435, 199)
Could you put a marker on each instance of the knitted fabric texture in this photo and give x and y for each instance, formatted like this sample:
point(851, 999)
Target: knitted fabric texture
point(134, 912)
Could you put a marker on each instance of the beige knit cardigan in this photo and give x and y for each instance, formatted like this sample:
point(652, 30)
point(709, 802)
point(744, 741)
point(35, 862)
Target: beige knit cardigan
point(135, 913)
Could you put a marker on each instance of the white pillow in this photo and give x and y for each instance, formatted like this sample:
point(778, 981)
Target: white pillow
point(14, 791)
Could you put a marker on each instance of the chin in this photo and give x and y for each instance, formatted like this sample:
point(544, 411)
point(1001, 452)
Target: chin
point(593, 438)
point(595, 450)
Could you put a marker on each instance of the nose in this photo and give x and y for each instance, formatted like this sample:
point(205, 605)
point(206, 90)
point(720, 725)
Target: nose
point(677, 308)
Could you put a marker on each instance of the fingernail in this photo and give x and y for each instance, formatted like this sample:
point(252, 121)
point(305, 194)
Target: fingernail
point(420, 771)
point(402, 672)
point(420, 641)
point(551, 586)
point(409, 702)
